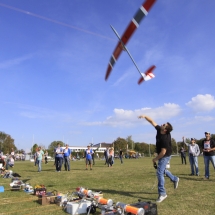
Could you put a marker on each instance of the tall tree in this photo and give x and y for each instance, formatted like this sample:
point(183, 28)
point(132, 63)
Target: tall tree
point(130, 142)
point(34, 148)
point(6, 143)
point(120, 143)
point(174, 146)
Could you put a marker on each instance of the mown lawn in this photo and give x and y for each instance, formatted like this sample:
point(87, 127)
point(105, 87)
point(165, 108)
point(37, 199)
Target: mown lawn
point(134, 179)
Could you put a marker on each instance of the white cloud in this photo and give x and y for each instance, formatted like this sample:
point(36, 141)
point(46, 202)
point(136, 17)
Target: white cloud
point(202, 103)
point(129, 118)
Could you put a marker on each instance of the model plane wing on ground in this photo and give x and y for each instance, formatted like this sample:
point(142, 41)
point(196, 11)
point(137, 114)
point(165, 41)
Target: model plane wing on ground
point(133, 25)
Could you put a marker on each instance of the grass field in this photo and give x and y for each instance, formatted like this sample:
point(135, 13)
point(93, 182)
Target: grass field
point(134, 179)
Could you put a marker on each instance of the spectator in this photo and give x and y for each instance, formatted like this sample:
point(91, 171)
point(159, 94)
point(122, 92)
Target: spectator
point(46, 157)
point(67, 157)
point(106, 155)
point(88, 157)
point(111, 157)
point(58, 158)
point(193, 150)
point(35, 157)
point(120, 155)
point(183, 155)
point(40, 154)
point(208, 147)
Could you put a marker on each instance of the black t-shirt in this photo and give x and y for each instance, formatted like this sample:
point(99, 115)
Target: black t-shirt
point(208, 145)
point(120, 152)
point(163, 141)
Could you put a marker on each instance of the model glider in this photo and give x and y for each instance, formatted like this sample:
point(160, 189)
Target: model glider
point(134, 24)
point(144, 76)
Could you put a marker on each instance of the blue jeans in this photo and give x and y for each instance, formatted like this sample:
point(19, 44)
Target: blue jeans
point(67, 163)
point(120, 157)
point(59, 161)
point(194, 163)
point(39, 162)
point(207, 159)
point(161, 170)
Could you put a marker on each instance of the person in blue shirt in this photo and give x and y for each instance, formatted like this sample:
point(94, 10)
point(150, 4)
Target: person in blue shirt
point(58, 157)
point(88, 156)
point(67, 157)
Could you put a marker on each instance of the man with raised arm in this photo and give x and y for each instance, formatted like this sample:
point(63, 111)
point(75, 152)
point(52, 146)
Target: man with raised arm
point(164, 151)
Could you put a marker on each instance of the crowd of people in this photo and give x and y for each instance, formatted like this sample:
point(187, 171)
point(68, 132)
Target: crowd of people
point(160, 160)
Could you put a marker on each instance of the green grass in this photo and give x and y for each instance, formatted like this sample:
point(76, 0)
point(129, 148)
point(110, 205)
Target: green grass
point(127, 183)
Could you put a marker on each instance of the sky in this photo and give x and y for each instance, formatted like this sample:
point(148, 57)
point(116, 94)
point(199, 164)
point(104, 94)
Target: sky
point(53, 59)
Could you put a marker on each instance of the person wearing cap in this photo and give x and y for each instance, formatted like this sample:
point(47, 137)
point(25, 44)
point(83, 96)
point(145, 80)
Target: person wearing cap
point(164, 151)
point(208, 148)
point(193, 151)
point(88, 157)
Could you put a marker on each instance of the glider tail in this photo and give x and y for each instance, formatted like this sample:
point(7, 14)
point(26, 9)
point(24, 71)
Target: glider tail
point(147, 75)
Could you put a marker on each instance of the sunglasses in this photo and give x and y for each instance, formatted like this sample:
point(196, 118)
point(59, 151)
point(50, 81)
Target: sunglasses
point(207, 133)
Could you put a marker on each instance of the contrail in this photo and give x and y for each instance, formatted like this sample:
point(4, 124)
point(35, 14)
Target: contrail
point(55, 21)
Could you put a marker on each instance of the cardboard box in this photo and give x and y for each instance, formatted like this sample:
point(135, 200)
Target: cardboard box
point(79, 207)
point(46, 200)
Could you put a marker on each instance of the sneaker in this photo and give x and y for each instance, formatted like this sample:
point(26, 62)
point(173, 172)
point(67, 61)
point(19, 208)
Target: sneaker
point(176, 184)
point(205, 178)
point(161, 198)
point(191, 174)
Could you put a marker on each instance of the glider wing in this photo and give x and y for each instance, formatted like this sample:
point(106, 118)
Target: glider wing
point(147, 75)
point(133, 25)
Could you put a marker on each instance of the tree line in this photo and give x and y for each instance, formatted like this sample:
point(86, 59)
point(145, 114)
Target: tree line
point(7, 143)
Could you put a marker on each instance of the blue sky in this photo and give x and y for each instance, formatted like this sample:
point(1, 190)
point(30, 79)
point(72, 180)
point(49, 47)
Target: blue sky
point(54, 55)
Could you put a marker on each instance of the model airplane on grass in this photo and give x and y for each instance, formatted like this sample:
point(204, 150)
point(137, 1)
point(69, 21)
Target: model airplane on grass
point(134, 24)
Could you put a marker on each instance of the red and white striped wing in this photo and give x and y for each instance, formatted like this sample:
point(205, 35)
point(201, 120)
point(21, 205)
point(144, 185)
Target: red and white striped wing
point(133, 25)
point(147, 75)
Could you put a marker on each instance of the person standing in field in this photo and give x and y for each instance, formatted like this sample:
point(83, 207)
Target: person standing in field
point(35, 157)
point(208, 148)
point(58, 158)
point(67, 157)
point(40, 154)
point(46, 157)
point(111, 157)
point(183, 156)
point(164, 151)
point(88, 157)
point(120, 155)
point(193, 150)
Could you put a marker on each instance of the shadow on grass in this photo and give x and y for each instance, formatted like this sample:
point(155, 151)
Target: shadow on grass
point(195, 178)
point(128, 194)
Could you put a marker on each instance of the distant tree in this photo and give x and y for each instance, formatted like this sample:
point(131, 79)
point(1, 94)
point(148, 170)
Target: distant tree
point(120, 143)
point(22, 151)
point(33, 149)
point(6, 143)
point(174, 146)
point(53, 145)
point(130, 142)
